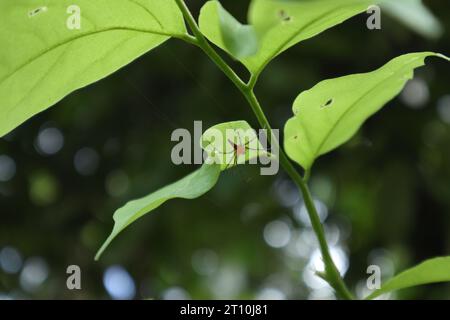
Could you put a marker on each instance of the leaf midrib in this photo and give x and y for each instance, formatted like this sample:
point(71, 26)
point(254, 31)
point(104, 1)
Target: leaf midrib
point(148, 11)
point(87, 34)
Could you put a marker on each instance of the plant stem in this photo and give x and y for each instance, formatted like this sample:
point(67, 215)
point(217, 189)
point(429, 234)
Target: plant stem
point(331, 275)
point(331, 272)
point(205, 46)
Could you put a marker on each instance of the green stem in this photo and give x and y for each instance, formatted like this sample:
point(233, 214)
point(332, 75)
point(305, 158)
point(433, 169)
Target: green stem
point(205, 46)
point(331, 272)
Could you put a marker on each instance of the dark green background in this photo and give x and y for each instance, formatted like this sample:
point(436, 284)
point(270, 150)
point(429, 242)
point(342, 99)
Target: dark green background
point(387, 190)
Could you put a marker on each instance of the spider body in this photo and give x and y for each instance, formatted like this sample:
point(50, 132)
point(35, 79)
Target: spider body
point(238, 149)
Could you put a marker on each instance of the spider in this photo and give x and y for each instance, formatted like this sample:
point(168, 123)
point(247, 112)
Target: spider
point(239, 149)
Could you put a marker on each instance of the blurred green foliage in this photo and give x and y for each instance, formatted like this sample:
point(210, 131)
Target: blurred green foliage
point(386, 193)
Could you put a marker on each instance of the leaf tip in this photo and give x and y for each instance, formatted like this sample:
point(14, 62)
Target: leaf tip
point(104, 246)
point(443, 56)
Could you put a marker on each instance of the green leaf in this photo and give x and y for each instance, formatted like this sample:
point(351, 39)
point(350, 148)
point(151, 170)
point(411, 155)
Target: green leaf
point(285, 23)
point(192, 186)
point(416, 16)
point(216, 142)
point(226, 32)
point(280, 24)
point(430, 271)
point(330, 113)
point(219, 142)
point(42, 60)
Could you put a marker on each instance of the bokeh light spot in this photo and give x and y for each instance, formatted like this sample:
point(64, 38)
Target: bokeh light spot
point(443, 108)
point(7, 168)
point(205, 262)
point(10, 260)
point(415, 94)
point(118, 283)
point(49, 141)
point(117, 183)
point(175, 293)
point(86, 161)
point(33, 274)
point(277, 234)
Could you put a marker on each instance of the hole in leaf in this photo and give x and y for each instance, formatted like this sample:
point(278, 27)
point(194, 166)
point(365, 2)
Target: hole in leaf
point(284, 16)
point(327, 104)
point(36, 11)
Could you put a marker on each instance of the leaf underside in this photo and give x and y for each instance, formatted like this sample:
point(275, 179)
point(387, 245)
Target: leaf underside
point(42, 60)
point(238, 40)
point(280, 24)
point(192, 186)
point(330, 113)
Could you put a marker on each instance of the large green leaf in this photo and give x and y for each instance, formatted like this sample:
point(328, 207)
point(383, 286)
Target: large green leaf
point(281, 24)
point(415, 15)
point(190, 187)
point(329, 114)
point(238, 40)
point(42, 60)
point(430, 271)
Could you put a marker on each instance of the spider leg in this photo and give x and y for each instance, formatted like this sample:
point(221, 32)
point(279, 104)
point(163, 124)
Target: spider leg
point(233, 161)
point(240, 139)
point(250, 141)
point(222, 152)
point(257, 149)
point(232, 151)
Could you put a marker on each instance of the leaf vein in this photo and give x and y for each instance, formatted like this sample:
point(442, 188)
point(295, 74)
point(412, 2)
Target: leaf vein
point(29, 61)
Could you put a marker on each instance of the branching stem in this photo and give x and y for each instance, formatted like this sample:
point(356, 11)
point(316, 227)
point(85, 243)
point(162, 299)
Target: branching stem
point(247, 89)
